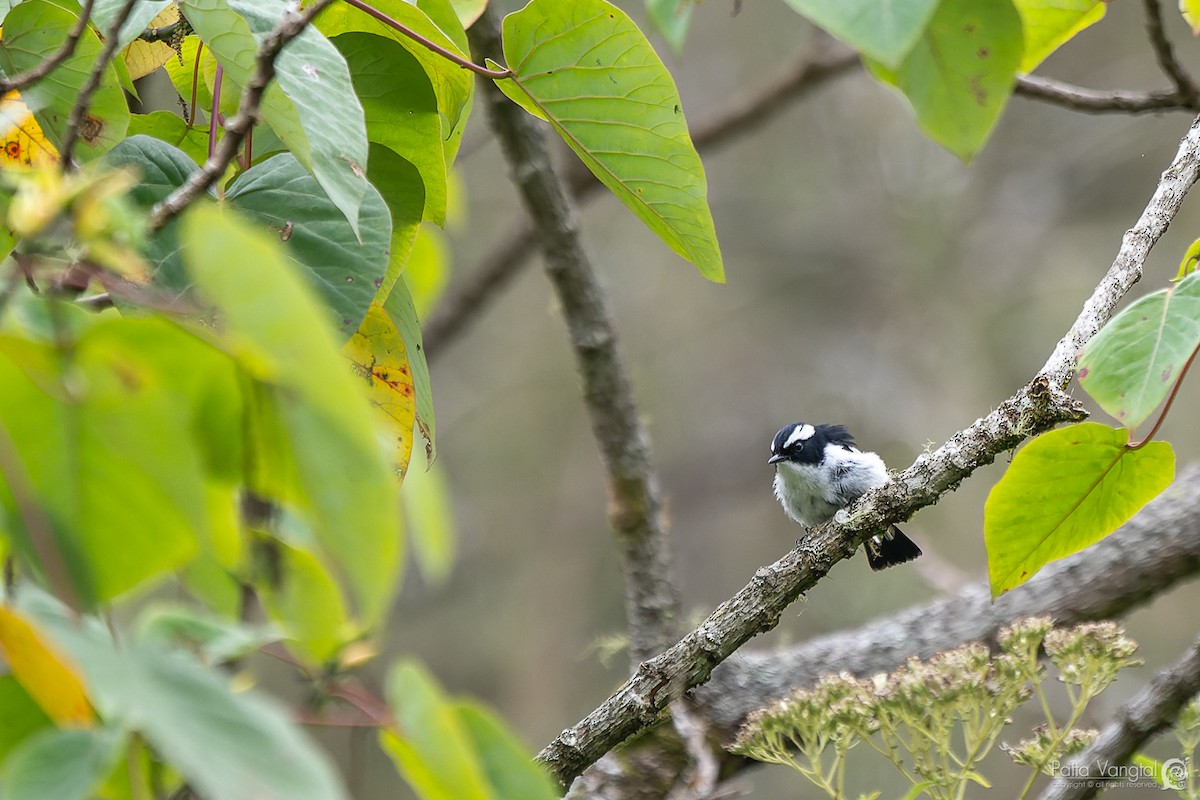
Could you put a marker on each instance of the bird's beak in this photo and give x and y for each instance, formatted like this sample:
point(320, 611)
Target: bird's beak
point(775, 459)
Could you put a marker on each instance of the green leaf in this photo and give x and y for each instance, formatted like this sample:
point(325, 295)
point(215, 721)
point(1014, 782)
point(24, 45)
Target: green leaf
point(33, 31)
point(104, 13)
point(671, 18)
point(1190, 9)
point(162, 168)
point(427, 270)
point(62, 764)
point(885, 31)
point(587, 69)
point(400, 184)
point(430, 517)
point(430, 746)
point(21, 714)
point(1049, 24)
point(1187, 265)
point(307, 605)
point(451, 83)
point(401, 110)
point(344, 267)
point(235, 746)
point(1131, 364)
point(308, 105)
point(509, 767)
point(959, 75)
point(340, 479)
point(217, 640)
point(1066, 490)
point(172, 129)
point(110, 457)
point(399, 308)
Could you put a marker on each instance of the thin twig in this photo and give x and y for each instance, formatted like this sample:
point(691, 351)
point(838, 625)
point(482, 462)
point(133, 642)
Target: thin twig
point(463, 305)
point(1165, 54)
point(48, 65)
point(635, 505)
point(449, 55)
point(199, 182)
point(84, 100)
point(1098, 101)
point(1151, 710)
point(757, 608)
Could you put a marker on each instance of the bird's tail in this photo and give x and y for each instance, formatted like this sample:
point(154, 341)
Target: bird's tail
point(890, 549)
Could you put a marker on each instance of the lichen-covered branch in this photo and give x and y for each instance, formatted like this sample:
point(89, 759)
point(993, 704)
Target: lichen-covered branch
point(635, 506)
point(1037, 407)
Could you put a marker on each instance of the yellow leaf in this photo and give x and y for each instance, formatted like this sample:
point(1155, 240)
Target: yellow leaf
point(49, 678)
point(24, 143)
point(378, 356)
point(141, 57)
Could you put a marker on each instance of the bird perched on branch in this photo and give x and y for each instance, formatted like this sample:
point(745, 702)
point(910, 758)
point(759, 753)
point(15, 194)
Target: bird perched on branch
point(819, 471)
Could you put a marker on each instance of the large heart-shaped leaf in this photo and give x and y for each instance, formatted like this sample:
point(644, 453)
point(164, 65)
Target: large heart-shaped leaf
point(587, 69)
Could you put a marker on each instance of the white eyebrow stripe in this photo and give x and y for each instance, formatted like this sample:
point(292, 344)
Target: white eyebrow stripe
point(802, 433)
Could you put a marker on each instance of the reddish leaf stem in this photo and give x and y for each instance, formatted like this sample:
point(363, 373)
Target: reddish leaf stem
point(426, 43)
point(1166, 406)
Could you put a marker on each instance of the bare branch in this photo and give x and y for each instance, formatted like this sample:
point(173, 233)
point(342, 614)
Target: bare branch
point(1098, 101)
point(756, 608)
point(44, 68)
point(463, 304)
point(79, 109)
point(1165, 54)
point(199, 182)
point(1151, 710)
point(635, 506)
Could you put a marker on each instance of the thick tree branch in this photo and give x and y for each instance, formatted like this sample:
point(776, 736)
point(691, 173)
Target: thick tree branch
point(1152, 553)
point(635, 508)
point(1148, 555)
point(84, 100)
point(200, 181)
point(756, 608)
point(56, 58)
point(1151, 710)
point(463, 304)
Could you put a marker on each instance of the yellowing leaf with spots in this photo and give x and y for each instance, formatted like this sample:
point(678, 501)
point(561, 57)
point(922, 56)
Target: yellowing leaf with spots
point(379, 357)
point(24, 143)
point(53, 683)
point(141, 57)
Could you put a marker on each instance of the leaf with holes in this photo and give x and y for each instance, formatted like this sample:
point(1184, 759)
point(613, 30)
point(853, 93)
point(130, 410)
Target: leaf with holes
point(1131, 364)
point(587, 69)
point(1064, 491)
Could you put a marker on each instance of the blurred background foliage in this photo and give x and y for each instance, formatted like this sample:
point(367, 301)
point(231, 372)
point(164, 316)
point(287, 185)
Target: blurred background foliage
point(872, 280)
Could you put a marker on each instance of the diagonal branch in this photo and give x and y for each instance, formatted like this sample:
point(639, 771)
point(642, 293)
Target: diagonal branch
point(200, 181)
point(1151, 710)
point(635, 506)
point(756, 608)
point(56, 58)
point(84, 100)
point(1151, 554)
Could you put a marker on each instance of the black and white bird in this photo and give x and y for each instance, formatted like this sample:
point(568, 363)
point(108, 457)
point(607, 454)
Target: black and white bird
point(819, 471)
